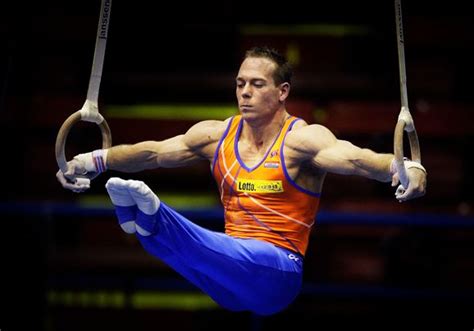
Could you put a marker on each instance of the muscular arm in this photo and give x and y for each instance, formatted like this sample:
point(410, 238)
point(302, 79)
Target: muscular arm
point(196, 144)
point(169, 153)
point(324, 151)
point(316, 144)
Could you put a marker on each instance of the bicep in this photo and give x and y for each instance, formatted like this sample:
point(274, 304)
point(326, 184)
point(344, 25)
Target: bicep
point(175, 152)
point(198, 143)
point(339, 156)
point(319, 146)
point(342, 157)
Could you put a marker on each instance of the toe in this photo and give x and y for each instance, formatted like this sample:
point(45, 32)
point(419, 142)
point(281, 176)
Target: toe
point(128, 227)
point(146, 200)
point(118, 192)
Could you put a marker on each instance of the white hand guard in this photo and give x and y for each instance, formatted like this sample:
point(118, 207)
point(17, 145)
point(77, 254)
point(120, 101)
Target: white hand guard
point(408, 164)
point(93, 161)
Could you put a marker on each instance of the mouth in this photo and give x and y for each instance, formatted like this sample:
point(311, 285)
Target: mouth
point(245, 107)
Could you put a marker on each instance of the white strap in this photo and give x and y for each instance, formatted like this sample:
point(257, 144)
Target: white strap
point(408, 164)
point(83, 181)
point(406, 117)
point(99, 53)
point(95, 161)
point(90, 113)
point(413, 164)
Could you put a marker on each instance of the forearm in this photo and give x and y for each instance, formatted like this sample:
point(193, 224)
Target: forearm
point(198, 143)
point(373, 165)
point(133, 158)
point(344, 158)
point(169, 153)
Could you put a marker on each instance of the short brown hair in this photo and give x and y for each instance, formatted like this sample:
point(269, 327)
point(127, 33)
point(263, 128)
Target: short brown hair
point(283, 72)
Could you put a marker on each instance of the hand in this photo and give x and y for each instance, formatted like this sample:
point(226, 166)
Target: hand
point(70, 179)
point(416, 187)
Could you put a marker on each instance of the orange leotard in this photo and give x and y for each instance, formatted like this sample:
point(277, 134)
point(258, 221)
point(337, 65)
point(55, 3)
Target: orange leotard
point(263, 202)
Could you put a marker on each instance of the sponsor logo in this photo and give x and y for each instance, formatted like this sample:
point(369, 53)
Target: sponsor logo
point(273, 165)
point(104, 21)
point(259, 186)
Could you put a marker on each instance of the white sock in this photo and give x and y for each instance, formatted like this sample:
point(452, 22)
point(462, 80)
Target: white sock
point(119, 195)
point(145, 199)
point(118, 192)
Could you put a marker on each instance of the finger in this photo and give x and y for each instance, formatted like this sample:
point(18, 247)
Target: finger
point(65, 182)
point(400, 193)
point(60, 177)
point(406, 195)
point(395, 180)
point(81, 181)
point(75, 187)
point(71, 171)
point(80, 189)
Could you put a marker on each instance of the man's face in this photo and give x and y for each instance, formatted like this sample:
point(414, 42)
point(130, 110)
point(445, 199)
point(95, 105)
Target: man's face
point(257, 95)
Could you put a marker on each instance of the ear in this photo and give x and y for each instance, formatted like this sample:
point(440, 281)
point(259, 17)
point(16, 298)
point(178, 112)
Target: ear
point(284, 91)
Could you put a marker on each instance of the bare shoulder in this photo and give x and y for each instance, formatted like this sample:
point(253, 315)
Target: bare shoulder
point(309, 138)
point(203, 136)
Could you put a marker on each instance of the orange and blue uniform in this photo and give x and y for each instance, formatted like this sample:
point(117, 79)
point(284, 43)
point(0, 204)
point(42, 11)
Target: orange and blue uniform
point(257, 265)
point(263, 202)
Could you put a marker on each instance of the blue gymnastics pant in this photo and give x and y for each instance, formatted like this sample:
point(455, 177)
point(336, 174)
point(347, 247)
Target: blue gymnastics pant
point(239, 274)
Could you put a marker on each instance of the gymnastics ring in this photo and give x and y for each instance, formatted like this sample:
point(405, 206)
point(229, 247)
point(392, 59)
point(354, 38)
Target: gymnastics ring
point(64, 132)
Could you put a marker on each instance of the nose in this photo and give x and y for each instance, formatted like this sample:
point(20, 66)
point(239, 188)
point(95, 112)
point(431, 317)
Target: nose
point(246, 91)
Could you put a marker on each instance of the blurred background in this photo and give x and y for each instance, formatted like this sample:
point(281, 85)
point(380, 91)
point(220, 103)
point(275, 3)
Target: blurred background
point(66, 265)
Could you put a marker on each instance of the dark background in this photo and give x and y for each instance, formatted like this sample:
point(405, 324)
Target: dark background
point(371, 260)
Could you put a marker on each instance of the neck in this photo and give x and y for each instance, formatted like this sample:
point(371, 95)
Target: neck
point(260, 134)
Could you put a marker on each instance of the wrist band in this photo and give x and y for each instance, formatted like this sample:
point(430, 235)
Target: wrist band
point(95, 161)
point(99, 157)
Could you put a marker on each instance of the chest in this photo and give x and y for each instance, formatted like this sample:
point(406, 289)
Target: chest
point(252, 157)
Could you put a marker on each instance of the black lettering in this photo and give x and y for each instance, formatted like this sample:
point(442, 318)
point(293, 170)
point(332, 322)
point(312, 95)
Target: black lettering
point(104, 20)
point(400, 23)
point(246, 187)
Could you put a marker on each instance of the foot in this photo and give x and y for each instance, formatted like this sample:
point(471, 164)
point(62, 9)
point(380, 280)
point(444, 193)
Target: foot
point(148, 204)
point(125, 206)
